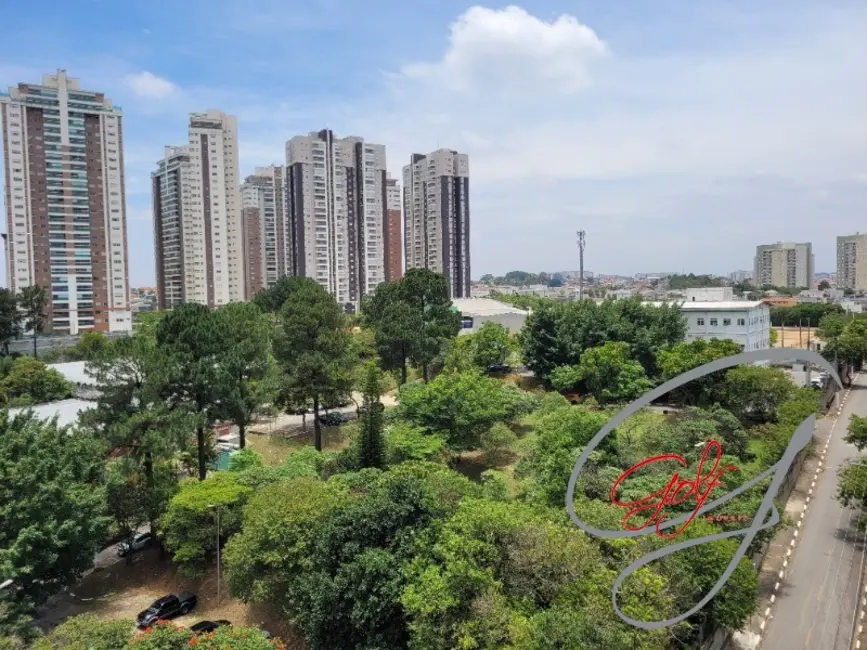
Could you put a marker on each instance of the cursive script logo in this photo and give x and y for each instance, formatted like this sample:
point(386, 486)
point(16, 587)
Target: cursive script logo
point(799, 440)
point(676, 491)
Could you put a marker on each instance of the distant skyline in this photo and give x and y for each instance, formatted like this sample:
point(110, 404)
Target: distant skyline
point(676, 134)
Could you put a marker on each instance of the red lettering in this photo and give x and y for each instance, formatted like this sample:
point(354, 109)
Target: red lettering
point(675, 492)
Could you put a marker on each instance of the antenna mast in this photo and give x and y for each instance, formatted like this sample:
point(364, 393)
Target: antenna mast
point(580, 265)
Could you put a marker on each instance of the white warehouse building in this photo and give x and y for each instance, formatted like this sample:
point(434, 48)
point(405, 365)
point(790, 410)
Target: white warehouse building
point(747, 322)
point(476, 311)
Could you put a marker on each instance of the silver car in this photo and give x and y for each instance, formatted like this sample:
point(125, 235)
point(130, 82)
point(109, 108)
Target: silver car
point(140, 542)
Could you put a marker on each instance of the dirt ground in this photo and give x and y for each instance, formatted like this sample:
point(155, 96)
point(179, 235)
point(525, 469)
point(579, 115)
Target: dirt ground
point(792, 338)
point(121, 591)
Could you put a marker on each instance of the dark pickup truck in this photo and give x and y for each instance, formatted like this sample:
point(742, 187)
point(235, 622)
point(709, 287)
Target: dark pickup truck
point(167, 607)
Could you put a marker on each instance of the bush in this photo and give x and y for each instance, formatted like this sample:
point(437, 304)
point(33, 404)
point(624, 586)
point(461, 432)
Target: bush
point(405, 442)
point(498, 439)
point(30, 381)
point(86, 632)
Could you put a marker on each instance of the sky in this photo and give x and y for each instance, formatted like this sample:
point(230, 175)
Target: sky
point(678, 134)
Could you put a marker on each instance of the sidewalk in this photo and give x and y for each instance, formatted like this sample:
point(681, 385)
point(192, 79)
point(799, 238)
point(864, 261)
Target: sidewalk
point(781, 547)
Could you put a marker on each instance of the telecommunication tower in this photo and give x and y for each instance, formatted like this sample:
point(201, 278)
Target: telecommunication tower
point(580, 265)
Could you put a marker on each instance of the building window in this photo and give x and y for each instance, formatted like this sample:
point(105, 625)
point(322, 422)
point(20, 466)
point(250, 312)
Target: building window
point(699, 321)
point(742, 321)
point(713, 322)
point(727, 322)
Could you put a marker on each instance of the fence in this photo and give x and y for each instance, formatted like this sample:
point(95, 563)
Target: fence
point(47, 342)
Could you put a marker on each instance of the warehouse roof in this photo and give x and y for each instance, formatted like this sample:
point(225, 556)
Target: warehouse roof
point(716, 305)
point(485, 307)
point(73, 371)
point(67, 411)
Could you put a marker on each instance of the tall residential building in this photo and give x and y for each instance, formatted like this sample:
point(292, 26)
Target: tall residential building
point(852, 262)
point(65, 203)
point(784, 264)
point(264, 229)
point(336, 206)
point(197, 210)
point(392, 231)
point(436, 212)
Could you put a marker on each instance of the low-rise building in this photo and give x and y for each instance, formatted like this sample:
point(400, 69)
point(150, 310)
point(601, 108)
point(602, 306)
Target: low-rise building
point(747, 322)
point(712, 294)
point(476, 311)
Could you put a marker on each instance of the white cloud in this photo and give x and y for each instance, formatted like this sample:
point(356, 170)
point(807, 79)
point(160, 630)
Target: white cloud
point(509, 50)
point(147, 84)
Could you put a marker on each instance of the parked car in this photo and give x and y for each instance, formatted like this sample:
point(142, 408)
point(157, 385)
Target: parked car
point(333, 419)
point(203, 627)
point(499, 369)
point(139, 542)
point(167, 607)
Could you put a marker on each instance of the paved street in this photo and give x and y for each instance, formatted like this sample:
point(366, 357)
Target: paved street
point(816, 604)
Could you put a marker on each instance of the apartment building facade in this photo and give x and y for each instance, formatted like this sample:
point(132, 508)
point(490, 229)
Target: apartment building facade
point(204, 174)
point(852, 262)
point(392, 231)
point(437, 216)
point(784, 264)
point(336, 206)
point(65, 202)
point(264, 228)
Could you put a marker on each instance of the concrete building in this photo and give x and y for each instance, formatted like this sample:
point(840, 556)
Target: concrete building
point(476, 311)
point(709, 294)
point(747, 322)
point(852, 262)
point(336, 204)
point(784, 264)
point(436, 212)
point(740, 276)
point(197, 216)
point(265, 239)
point(392, 231)
point(66, 203)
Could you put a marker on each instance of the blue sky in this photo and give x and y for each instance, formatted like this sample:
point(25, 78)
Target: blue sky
point(677, 134)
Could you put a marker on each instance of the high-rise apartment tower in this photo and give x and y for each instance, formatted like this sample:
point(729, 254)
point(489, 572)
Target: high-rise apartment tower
point(852, 262)
point(436, 212)
point(264, 228)
point(784, 264)
point(197, 186)
point(336, 203)
point(65, 203)
point(392, 231)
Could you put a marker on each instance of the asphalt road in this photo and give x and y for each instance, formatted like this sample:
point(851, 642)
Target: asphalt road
point(816, 605)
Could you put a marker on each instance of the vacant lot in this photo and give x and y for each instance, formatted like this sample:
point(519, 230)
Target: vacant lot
point(120, 591)
point(791, 337)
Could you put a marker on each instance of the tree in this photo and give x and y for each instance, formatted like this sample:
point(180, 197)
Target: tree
point(824, 285)
point(51, 506)
point(190, 523)
point(30, 381)
point(459, 406)
point(90, 345)
point(370, 445)
point(247, 363)
point(33, 300)
point(491, 344)
point(132, 417)
point(127, 497)
point(856, 432)
point(755, 392)
point(773, 337)
point(86, 632)
point(608, 373)
point(313, 347)
point(683, 357)
point(193, 376)
point(10, 319)
point(852, 484)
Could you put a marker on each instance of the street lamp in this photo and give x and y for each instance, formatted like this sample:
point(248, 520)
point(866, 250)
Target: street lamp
point(218, 550)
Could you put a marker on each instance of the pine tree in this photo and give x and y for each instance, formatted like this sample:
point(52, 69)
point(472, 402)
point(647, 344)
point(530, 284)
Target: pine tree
point(370, 447)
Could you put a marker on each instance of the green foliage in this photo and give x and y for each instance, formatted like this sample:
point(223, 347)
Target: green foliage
point(86, 632)
point(51, 506)
point(491, 345)
point(30, 381)
point(406, 442)
point(191, 344)
point(682, 357)
point(190, 524)
point(756, 392)
point(313, 348)
point(370, 447)
point(245, 459)
point(558, 334)
point(773, 336)
point(33, 300)
point(459, 406)
point(247, 362)
point(164, 635)
point(856, 432)
point(692, 281)
point(497, 440)
point(800, 314)
point(852, 484)
point(846, 338)
point(607, 372)
point(10, 319)
point(272, 299)
point(90, 346)
point(494, 485)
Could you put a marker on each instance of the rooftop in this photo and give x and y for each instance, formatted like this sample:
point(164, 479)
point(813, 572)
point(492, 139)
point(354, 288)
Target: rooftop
point(715, 305)
point(73, 371)
point(66, 411)
point(484, 307)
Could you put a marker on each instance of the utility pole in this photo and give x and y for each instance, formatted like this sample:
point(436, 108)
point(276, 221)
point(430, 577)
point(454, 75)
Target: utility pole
point(580, 265)
point(217, 508)
point(809, 364)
